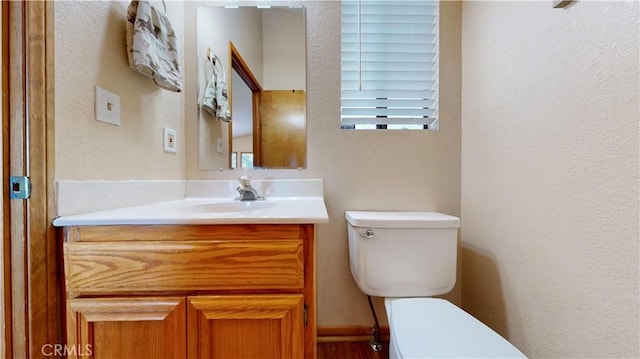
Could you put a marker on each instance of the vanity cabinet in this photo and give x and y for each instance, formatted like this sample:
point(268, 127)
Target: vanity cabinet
point(191, 291)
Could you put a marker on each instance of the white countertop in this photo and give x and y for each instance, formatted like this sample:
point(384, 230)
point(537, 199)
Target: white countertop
point(288, 202)
point(282, 210)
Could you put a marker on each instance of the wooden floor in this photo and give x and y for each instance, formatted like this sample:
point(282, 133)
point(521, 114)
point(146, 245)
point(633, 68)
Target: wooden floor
point(351, 350)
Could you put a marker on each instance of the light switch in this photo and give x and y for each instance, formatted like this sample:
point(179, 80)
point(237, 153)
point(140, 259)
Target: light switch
point(107, 106)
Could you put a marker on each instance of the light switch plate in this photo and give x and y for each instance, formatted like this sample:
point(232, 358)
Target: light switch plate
point(107, 106)
point(169, 140)
point(220, 145)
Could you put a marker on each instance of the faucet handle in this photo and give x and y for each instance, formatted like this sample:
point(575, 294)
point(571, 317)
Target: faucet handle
point(245, 181)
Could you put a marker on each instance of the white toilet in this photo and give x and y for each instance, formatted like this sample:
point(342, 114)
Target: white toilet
point(407, 257)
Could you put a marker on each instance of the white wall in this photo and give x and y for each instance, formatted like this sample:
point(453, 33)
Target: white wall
point(243, 144)
point(90, 49)
point(284, 50)
point(550, 175)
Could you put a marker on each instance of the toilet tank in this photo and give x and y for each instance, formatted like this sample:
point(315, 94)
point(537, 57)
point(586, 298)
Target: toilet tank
point(403, 254)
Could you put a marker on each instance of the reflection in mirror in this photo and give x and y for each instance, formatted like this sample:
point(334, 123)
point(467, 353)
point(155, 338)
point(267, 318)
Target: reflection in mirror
point(242, 129)
point(262, 52)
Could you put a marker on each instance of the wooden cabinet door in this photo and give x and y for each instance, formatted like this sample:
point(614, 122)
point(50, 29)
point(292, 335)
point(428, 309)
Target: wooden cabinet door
point(120, 328)
point(245, 326)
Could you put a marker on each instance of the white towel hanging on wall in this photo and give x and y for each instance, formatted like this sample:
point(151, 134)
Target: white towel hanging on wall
point(216, 100)
point(152, 45)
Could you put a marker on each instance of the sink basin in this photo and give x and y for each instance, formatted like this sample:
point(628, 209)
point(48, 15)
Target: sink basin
point(224, 207)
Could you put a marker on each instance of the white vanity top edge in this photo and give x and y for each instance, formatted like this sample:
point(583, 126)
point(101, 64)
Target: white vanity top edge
point(188, 202)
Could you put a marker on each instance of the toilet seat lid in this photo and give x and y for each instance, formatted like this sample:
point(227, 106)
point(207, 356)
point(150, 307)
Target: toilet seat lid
point(436, 328)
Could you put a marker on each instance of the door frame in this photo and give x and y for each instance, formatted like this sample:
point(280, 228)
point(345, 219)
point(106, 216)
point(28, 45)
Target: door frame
point(239, 65)
point(32, 285)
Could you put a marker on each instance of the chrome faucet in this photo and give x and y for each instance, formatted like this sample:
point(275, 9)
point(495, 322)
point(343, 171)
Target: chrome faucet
point(247, 192)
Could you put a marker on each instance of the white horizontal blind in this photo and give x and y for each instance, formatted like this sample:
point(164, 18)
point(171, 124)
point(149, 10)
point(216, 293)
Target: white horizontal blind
point(389, 64)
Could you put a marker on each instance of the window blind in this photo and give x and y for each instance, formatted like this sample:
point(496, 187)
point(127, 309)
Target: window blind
point(389, 64)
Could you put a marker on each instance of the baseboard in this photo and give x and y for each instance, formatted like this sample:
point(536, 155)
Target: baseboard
point(349, 333)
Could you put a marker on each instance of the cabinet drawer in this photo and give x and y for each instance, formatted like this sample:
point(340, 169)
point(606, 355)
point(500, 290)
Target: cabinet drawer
point(93, 268)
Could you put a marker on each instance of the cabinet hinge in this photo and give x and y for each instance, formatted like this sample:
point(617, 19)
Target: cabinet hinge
point(19, 187)
point(305, 314)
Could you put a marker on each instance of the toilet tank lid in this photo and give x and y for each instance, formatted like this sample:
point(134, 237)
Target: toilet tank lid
point(401, 219)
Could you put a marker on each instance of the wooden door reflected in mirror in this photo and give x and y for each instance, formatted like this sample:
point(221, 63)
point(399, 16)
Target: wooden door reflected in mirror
point(280, 139)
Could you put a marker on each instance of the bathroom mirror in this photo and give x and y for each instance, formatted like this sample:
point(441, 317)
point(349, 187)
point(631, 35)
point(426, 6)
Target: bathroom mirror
point(262, 57)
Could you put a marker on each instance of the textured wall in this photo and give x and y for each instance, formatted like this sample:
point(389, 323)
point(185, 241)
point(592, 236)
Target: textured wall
point(550, 175)
point(393, 170)
point(90, 49)
point(284, 50)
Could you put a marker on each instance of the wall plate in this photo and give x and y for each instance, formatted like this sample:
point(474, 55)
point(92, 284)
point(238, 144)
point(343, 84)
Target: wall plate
point(220, 145)
point(107, 106)
point(169, 140)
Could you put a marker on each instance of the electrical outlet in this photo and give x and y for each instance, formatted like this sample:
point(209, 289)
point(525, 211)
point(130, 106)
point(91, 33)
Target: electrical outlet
point(169, 140)
point(107, 106)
